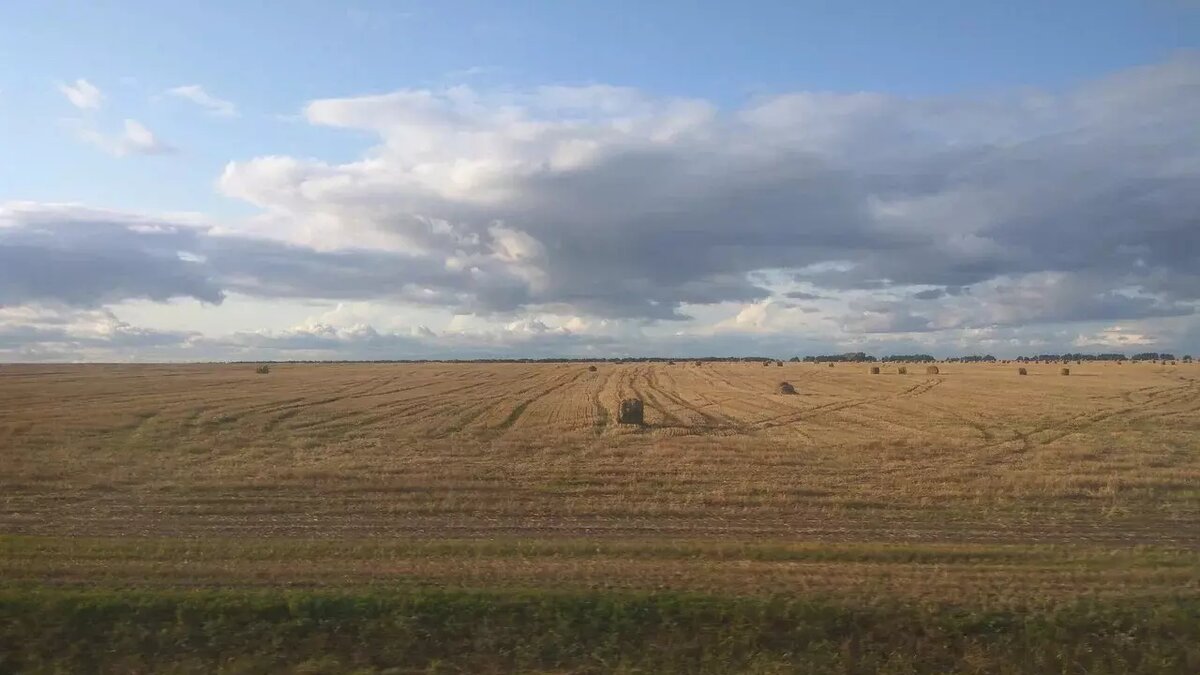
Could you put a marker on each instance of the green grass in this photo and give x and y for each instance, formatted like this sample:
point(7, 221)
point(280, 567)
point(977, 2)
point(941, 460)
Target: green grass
point(57, 630)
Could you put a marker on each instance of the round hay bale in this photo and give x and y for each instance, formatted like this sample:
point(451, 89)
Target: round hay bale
point(1022, 371)
point(592, 369)
point(902, 370)
point(698, 363)
point(874, 370)
point(1066, 371)
point(932, 370)
point(631, 412)
point(263, 369)
point(785, 388)
point(1172, 363)
point(780, 363)
point(831, 365)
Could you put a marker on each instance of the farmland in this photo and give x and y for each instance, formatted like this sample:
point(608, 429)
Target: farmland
point(739, 529)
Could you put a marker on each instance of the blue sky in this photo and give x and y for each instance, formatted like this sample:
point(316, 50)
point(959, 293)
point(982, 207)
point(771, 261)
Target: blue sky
point(882, 82)
point(272, 57)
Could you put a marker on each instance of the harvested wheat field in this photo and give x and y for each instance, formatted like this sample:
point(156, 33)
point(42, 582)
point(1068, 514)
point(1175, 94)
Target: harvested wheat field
point(936, 501)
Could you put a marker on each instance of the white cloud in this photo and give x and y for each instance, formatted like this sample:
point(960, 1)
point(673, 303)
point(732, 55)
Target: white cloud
point(82, 94)
point(196, 94)
point(1117, 337)
point(641, 205)
point(53, 332)
point(134, 139)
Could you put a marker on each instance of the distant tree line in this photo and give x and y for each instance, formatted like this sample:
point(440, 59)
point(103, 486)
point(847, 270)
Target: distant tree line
point(849, 356)
point(1073, 357)
point(988, 358)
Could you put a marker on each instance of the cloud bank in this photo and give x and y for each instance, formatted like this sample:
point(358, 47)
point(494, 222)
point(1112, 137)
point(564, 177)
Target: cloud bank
point(881, 215)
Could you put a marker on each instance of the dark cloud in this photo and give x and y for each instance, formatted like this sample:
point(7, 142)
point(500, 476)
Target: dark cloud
point(91, 261)
point(87, 258)
point(1023, 301)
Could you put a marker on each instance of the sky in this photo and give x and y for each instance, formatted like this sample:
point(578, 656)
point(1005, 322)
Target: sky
point(375, 180)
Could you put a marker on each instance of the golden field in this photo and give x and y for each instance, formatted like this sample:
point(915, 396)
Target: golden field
point(974, 485)
point(974, 455)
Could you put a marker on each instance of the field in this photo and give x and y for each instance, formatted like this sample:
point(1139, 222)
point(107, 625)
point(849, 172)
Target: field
point(493, 517)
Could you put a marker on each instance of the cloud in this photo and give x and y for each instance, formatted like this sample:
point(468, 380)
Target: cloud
point(1115, 337)
point(137, 139)
point(470, 72)
point(525, 338)
point(1017, 300)
point(643, 205)
point(1036, 215)
point(885, 321)
point(82, 94)
point(196, 94)
point(37, 332)
point(134, 139)
point(90, 257)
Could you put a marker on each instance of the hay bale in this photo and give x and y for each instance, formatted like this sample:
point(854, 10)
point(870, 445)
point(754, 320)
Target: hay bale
point(785, 388)
point(780, 363)
point(263, 369)
point(902, 370)
point(591, 369)
point(670, 363)
point(931, 370)
point(1022, 371)
point(874, 370)
point(631, 412)
point(831, 365)
point(698, 363)
point(1066, 371)
point(1172, 363)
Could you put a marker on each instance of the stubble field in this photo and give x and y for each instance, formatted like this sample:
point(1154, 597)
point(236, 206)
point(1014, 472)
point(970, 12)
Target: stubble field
point(972, 519)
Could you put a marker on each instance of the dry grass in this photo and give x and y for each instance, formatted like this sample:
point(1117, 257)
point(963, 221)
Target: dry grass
point(993, 576)
point(973, 453)
point(917, 510)
point(1103, 460)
